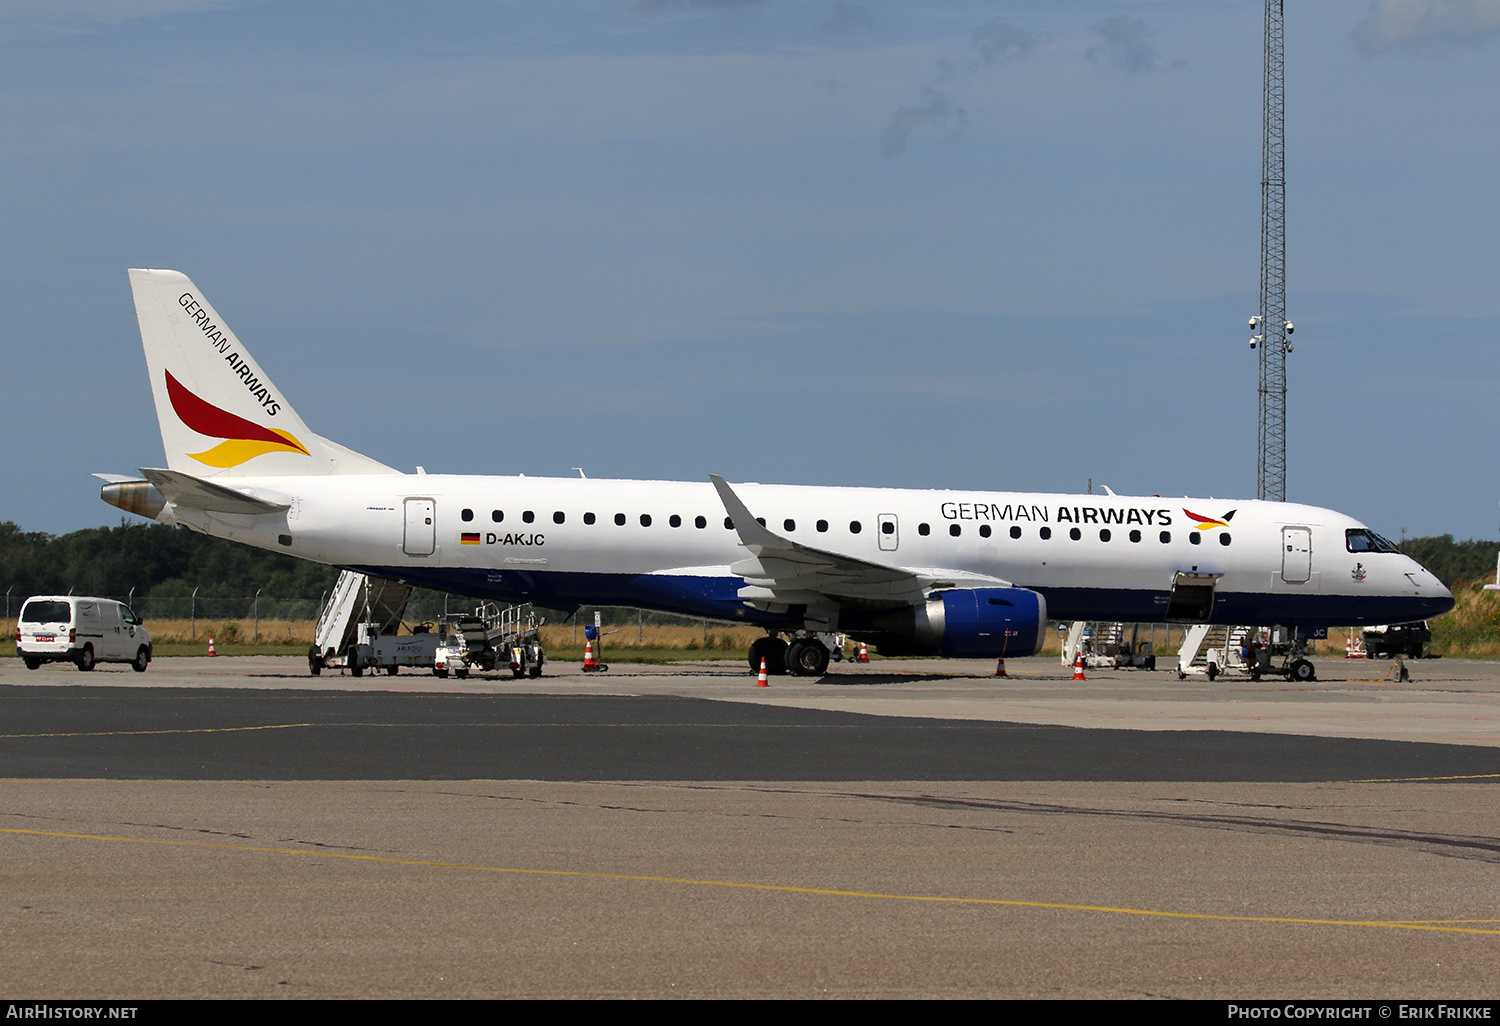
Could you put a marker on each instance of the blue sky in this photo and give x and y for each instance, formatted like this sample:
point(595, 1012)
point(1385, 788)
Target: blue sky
point(998, 245)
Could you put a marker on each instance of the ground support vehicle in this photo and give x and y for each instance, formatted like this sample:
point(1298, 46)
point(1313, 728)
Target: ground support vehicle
point(1214, 649)
point(1104, 646)
point(81, 630)
point(1397, 639)
point(490, 638)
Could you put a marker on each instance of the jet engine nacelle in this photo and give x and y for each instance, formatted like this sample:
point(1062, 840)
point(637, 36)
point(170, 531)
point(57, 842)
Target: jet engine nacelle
point(982, 622)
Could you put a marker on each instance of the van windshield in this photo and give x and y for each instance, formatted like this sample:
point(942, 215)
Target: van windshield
point(46, 612)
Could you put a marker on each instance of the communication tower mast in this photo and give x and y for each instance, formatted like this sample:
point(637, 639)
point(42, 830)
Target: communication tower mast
point(1271, 327)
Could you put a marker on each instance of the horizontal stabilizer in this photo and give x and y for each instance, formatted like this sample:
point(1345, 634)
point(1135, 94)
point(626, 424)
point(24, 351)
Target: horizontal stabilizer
point(188, 492)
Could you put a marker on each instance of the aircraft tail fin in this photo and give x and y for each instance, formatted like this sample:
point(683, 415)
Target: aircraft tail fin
point(219, 413)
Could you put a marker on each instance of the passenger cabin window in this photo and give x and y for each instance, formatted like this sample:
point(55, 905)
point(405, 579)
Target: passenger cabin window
point(466, 515)
point(1015, 532)
point(1104, 534)
point(497, 515)
point(589, 518)
point(528, 517)
point(789, 525)
point(1357, 539)
point(955, 530)
point(1135, 536)
point(822, 526)
point(1224, 538)
point(1075, 533)
point(1045, 532)
point(645, 519)
point(1166, 537)
point(700, 522)
point(924, 529)
point(559, 517)
point(675, 520)
point(854, 527)
point(984, 530)
point(729, 523)
point(1195, 538)
point(619, 519)
point(887, 528)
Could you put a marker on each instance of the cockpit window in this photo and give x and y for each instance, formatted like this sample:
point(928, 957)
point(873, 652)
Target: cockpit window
point(1358, 539)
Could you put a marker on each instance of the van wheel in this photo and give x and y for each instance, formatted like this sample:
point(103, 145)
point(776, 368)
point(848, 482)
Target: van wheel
point(142, 659)
point(31, 662)
point(86, 658)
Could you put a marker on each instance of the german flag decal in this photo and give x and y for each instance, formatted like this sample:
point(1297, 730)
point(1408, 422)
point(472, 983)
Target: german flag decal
point(1209, 523)
point(243, 440)
point(469, 539)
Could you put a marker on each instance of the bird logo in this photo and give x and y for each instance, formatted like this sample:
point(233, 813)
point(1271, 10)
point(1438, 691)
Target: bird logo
point(1209, 523)
point(243, 439)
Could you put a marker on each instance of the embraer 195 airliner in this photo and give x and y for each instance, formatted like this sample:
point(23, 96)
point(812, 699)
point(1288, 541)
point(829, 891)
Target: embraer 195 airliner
point(957, 573)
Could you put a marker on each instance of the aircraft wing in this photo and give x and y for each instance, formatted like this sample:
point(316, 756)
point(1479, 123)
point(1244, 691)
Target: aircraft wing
point(784, 572)
point(189, 492)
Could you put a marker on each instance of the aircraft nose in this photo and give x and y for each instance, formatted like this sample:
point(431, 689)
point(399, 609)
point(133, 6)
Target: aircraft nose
point(1430, 588)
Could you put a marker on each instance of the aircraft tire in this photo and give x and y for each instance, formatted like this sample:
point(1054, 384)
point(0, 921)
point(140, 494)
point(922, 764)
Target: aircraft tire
point(1303, 671)
point(773, 649)
point(390, 671)
point(86, 658)
point(807, 658)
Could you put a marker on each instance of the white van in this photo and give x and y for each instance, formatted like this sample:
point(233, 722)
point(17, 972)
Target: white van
point(81, 630)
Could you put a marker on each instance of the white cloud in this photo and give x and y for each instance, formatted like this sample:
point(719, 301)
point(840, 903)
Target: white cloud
point(1426, 23)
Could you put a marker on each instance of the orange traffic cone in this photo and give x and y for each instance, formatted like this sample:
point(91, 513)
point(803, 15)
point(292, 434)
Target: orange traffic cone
point(1000, 669)
point(1078, 667)
point(761, 681)
point(588, 656)
point(864, 653)
point(211, 646)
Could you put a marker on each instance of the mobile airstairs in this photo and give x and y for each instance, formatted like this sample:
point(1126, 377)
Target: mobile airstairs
point(359, 629)
point(1107, 646)
point(1214, 649)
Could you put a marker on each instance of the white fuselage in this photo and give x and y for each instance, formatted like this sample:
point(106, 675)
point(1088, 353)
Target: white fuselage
point(1094, 557)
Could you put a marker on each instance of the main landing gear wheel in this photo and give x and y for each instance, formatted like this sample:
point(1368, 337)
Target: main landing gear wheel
point(1303, 671)
point(807, 658)
point(773, 650)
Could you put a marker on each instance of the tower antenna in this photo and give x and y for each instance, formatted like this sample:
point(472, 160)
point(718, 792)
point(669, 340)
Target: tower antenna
point(1272, 329)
